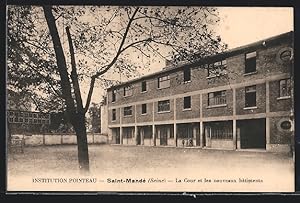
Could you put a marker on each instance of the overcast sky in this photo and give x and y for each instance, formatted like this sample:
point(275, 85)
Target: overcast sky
point(239, 26)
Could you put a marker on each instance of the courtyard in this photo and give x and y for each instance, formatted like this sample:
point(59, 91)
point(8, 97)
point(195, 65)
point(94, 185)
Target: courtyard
point(144, 168)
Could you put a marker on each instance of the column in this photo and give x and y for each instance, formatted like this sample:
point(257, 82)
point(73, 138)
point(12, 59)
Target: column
point(175, 127)
point(153, 126)
point(121, 135)
point(142, 135)
point(267, 132)
point(194, 134)
point(201, 133)
point(121, 129)
point(175, 133)
point(153, 135)
point(234, 134)
point(136, 134)
point(267, 115)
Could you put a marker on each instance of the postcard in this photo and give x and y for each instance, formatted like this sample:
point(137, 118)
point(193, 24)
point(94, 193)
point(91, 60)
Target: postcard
point(150, 99)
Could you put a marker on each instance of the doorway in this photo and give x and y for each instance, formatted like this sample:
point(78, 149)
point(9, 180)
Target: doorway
point(164, 136)
point(252, 133)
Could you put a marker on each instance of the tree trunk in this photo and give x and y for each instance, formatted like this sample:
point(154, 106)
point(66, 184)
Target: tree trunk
point(82, 145)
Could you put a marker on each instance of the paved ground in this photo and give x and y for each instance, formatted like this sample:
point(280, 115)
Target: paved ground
point(197, 169)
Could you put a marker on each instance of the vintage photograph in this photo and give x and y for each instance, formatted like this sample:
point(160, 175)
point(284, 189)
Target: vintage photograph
point(150, 99)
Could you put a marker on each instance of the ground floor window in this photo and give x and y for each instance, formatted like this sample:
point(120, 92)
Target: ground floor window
point(219, 130)
point(147, 132)
point(185, 131)
point(128, 132)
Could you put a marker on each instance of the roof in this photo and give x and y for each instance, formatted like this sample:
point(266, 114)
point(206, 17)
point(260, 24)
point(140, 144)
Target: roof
point(235, 51)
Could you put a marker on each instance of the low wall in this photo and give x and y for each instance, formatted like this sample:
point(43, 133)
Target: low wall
point(129, 141)
point(148, 142)
point(221, 144)
point(58, 139)
point(186, 142)
point(278, 147)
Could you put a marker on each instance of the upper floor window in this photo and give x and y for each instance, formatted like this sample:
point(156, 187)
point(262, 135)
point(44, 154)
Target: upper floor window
point(187, 102)
point(164, 82)
point(250, 96)
point(217, 69)
point(285, 88)
point(144, 108)
point(250, 62)
point(187, 75)
point(144, 86)
point(163, 105)
point(217, 98)
point(128, 111)
point(127, 91)
point(114, 114)
point(113, 98)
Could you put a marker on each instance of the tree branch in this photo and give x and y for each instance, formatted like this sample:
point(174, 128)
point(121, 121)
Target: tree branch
point(120, 50)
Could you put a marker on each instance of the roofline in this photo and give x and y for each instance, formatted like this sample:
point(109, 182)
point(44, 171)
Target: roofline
point(237, 50)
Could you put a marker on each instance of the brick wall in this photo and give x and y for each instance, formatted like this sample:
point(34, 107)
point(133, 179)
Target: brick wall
point(275, 103)
point(267, 65)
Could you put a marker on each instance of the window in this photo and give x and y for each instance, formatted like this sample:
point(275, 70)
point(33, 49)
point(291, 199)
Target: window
point(114, 114)
point(285, 88)
point(220, 130)
point(217, 98)
point(128, 132)
point(127, 91)
point(144, 108)
point(185, 131)
point(164, 82)
point(187, 102)
point(128, 111)
point(113, 98)
point(250, 96)
point(217, 69)
point(144, 86)
point(187, 75)
point(250, 62)
point(164, 105)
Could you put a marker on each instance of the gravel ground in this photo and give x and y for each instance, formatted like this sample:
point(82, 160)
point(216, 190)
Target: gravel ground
point(172, 169)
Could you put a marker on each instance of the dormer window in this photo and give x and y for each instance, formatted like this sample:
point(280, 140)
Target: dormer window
point(250, 62)
point(113, 96)
point(217, 68)
point(144, 86)
point(187, 75)
point(163, 82)
point(127, 91)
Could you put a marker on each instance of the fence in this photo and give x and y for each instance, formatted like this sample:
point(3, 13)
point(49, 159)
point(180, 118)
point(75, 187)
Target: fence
point(60, 139)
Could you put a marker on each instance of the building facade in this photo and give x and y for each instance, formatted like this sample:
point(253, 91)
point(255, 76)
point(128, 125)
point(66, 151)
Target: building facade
point(21, 119)
point(239, 99)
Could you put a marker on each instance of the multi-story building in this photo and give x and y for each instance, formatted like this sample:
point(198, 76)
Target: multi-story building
point(239, 99)
point(21, 117)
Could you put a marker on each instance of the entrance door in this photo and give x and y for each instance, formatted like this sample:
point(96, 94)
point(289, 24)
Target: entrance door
point(164, 136)
point(253, 134)
point(207, 136)
point(139, 134)
point(117, 130)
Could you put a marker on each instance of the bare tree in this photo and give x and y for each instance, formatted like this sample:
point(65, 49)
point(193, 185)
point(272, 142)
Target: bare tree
point(102, 41)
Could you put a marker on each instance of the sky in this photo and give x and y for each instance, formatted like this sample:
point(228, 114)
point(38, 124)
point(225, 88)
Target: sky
point(240, 26)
